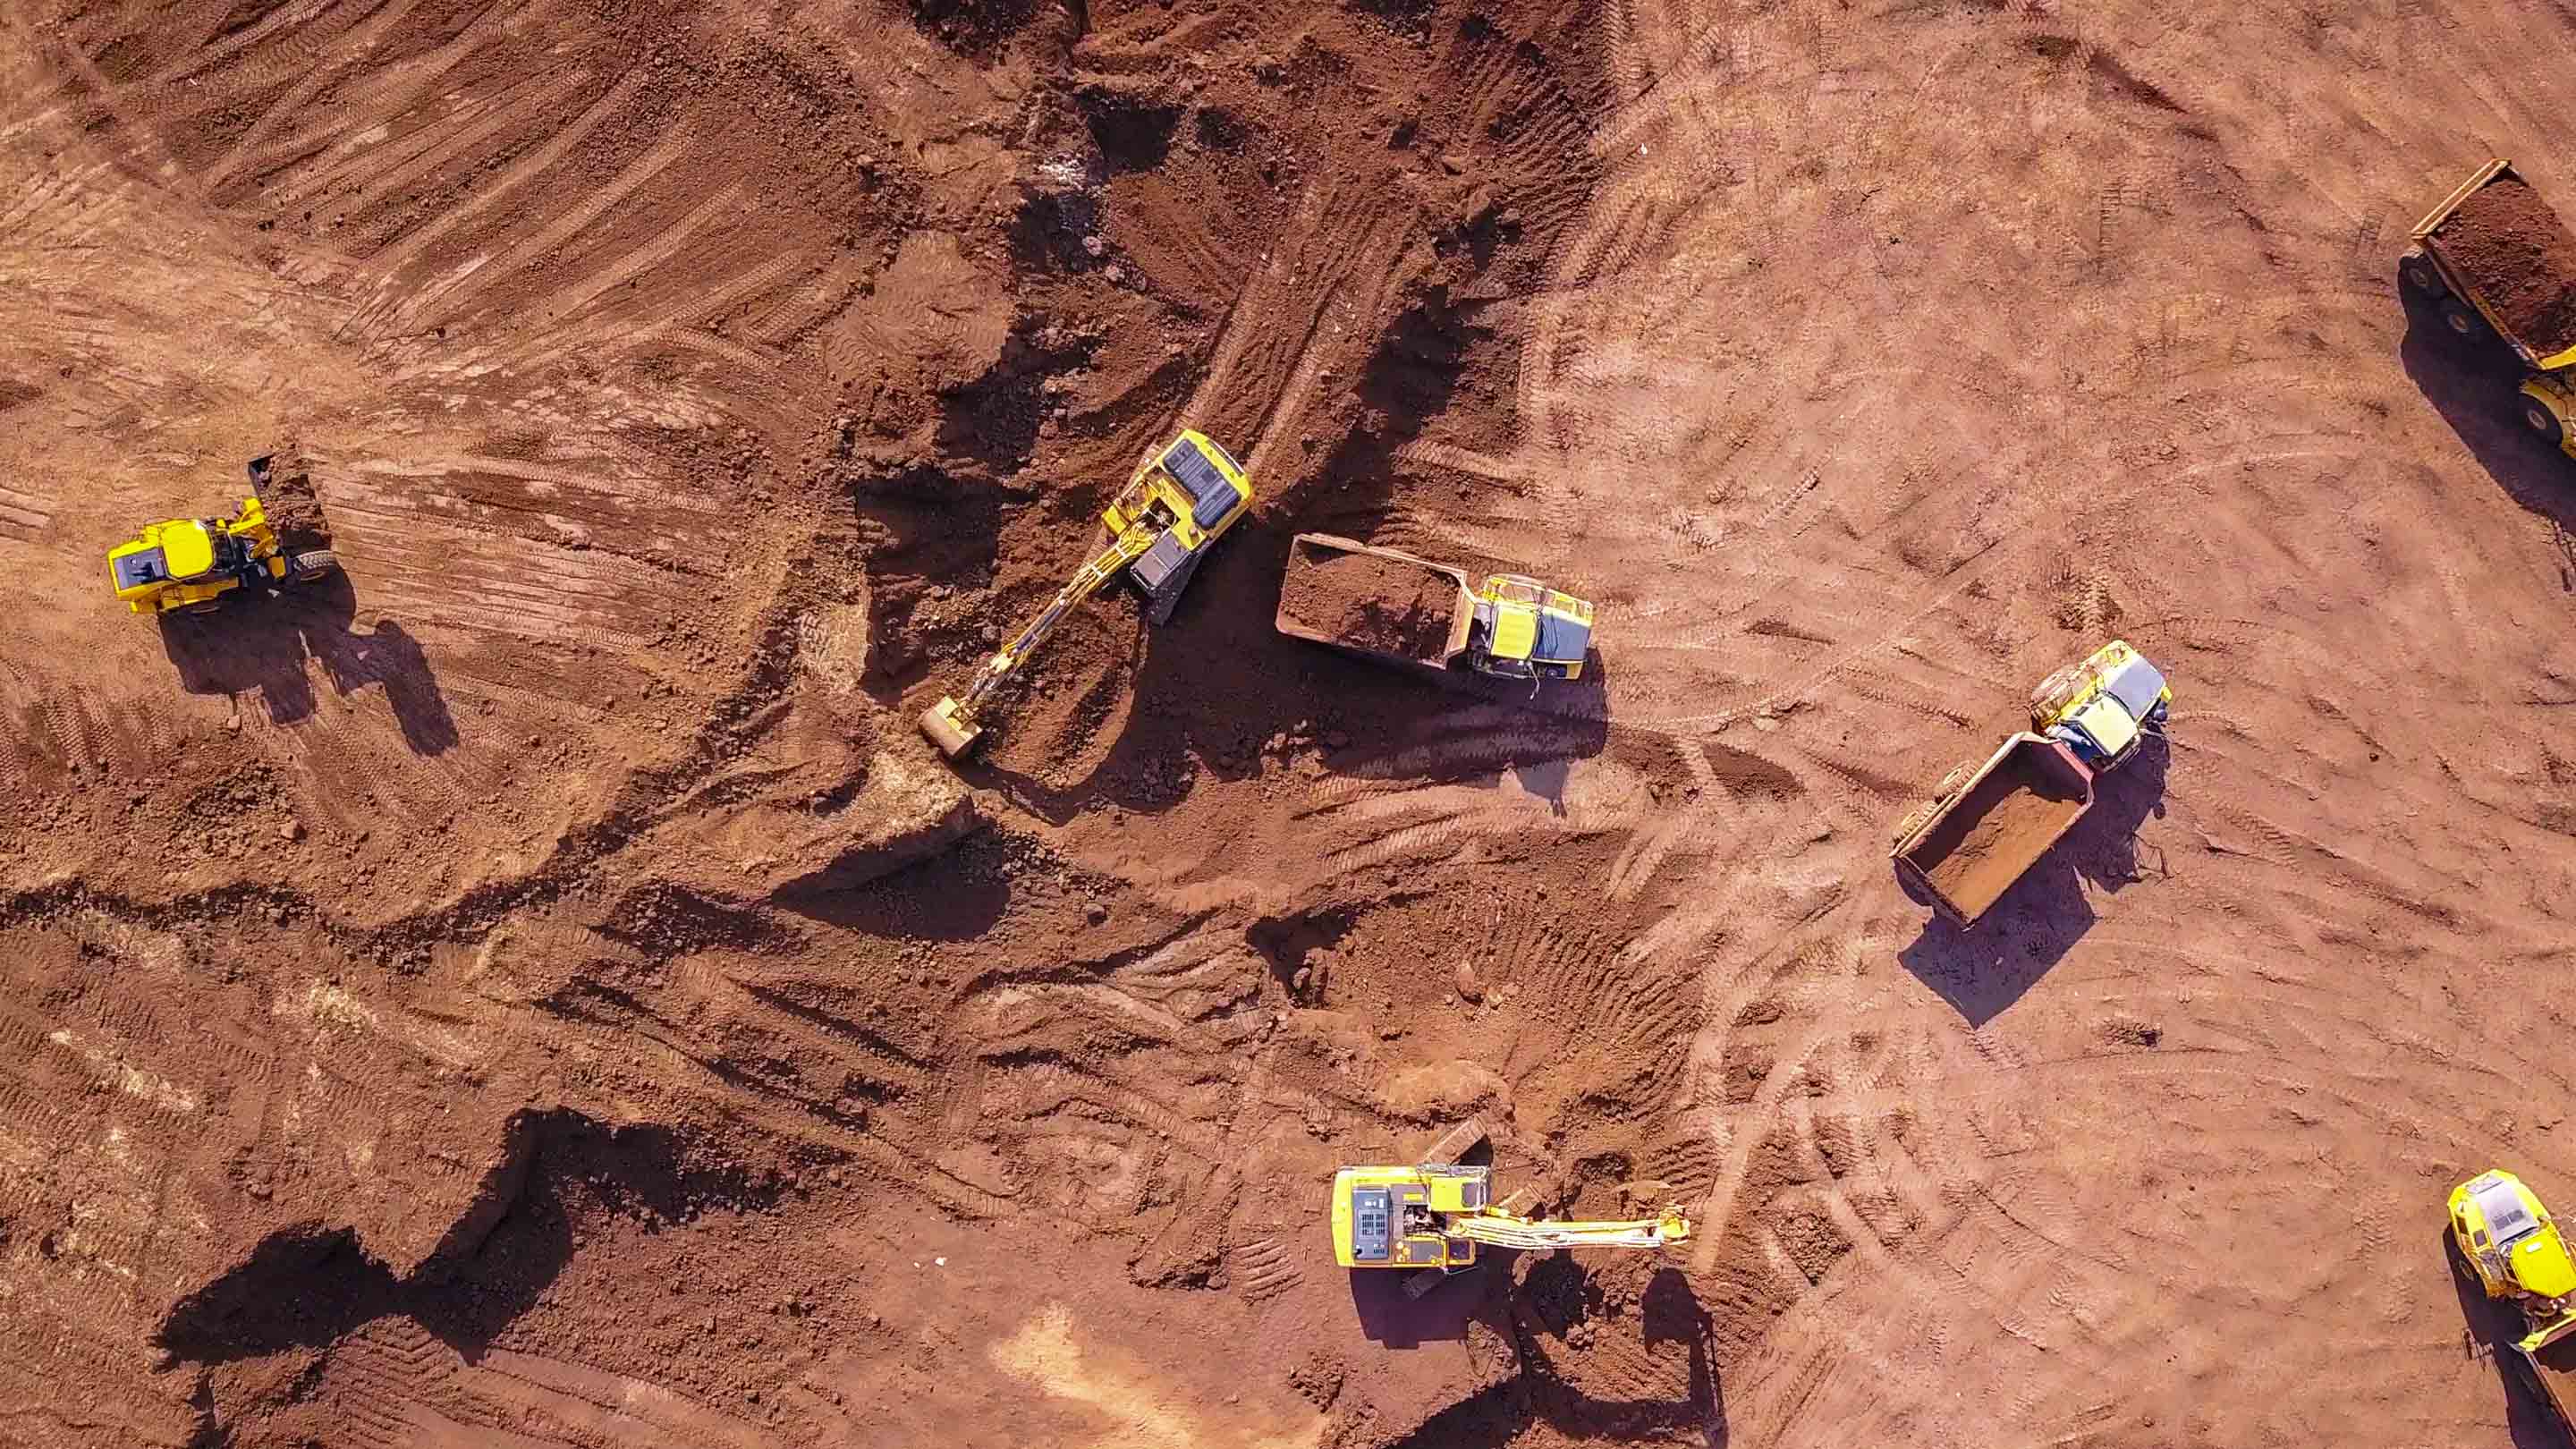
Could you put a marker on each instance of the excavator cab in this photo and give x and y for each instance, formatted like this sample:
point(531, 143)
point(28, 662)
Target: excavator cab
point(1396, 1217)
point(1191, 491)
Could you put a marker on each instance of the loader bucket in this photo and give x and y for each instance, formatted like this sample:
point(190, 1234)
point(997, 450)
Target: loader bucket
point(941, 726)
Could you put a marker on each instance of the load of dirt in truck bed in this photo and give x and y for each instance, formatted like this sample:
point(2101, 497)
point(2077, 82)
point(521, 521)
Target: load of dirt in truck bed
point(1369, 602)
point(1998, 828)
point(2521, 258)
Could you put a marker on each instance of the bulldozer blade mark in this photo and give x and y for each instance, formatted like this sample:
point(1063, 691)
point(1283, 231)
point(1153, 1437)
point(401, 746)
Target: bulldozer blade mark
point(447, 300)
point(389, 261)
point(415, 78)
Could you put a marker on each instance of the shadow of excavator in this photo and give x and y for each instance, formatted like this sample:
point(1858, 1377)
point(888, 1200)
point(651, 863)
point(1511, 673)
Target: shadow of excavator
point(306, 1286)
point(264, 646)
point(1670, 1313)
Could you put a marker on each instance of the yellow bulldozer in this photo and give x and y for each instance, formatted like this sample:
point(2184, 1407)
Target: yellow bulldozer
point(194, 565)
point(1433, 1217)
point(1157, 530)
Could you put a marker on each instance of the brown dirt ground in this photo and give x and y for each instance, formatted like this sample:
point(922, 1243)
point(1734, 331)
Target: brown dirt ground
point(540, 987)
point(2520, 257)
point(1369, 602)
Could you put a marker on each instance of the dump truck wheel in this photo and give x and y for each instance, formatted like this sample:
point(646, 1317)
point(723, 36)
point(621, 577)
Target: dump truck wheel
point(2462, 321)
point(314, 563)
point(1912, 822)
point(2538, 416)
point(2423, 276)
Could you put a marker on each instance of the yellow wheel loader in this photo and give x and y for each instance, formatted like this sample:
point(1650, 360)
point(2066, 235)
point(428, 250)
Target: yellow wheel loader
point(1159, 528)
point(1434, 1216)
point(192, 565)
point(2508, 1242)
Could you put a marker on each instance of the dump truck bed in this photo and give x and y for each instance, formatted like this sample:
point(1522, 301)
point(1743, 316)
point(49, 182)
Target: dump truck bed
point(2505, 251)
point(1996, 825)
point(1381, 602)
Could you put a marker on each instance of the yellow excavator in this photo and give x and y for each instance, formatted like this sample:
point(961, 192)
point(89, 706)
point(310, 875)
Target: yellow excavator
point(1157, 530)
point(1432, 1217)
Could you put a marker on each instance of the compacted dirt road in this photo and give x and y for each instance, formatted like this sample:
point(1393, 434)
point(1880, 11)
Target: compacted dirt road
point(538, 990)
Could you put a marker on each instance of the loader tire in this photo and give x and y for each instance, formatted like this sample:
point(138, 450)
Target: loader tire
point(2423, 276)
point(314, 563)
point(2537, 416)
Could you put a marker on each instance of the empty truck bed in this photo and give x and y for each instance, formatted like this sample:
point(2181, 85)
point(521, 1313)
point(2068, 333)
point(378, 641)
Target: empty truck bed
point(2029, 794)
point(1374, 600)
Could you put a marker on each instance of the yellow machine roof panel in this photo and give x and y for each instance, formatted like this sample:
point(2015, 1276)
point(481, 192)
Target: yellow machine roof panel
point(1515, 631)
point(2110, 724)
point(186, 548)
point(2541, 1266)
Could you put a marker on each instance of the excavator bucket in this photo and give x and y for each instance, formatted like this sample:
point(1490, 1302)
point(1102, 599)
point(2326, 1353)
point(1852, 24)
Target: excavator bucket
point(943, 728)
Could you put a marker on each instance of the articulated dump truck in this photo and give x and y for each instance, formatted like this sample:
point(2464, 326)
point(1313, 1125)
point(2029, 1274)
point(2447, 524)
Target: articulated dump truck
point(1987, 823)
point(2497, 261)
point(1387, 604)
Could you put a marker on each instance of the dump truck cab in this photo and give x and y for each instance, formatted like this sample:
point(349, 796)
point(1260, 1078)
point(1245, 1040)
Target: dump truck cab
point(2103, 708)
point(187, 563)
point(1526, 630)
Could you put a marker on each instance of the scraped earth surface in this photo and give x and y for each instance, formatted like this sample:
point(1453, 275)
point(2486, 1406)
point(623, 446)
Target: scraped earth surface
point(537, 989)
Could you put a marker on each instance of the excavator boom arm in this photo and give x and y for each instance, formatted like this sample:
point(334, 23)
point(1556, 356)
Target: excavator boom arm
point(1499, 1230)
point(1123, 550)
